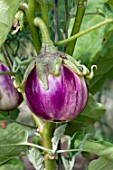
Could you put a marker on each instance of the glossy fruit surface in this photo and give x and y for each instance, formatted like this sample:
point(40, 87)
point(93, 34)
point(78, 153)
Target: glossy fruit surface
point(65, 98)
point(10, 98)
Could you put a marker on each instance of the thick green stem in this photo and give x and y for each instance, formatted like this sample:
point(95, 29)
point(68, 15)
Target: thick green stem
point(67, 18)
point(44, 10)
point(34, 30)
point(38, 22)
point(39, 122)
point(107, 21)
point(47, 134)
point(23, 7)
point(77, 23)
point(46, 130)
point(56, 19)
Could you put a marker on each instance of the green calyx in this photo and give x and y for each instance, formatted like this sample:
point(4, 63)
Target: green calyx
point(48, 63)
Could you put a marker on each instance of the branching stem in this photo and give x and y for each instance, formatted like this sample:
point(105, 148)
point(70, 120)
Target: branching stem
point(56, 19)
point(67, 18)
point(44, 10)
point(107, 21)
point(38, 22)
point(34, 30)
point(7, 56)
point(77, 23)
point(47, 134)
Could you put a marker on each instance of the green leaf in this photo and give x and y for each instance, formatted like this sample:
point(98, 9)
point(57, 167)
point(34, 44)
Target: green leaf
point(11, 167)
point(68, 163)
point(14, 114)
point(2, 59)
point(11, 141)
point(8, 9)
point(57, 136)
point(104, 64)
point(85, 121)
point(10, 115)
point(36, 158)
point(110, 2)
point(106, 10)
point(94, 109)
point(81, 139)
point(14, 164)
point(101, 164)
point(78, 140)
point(102, 1)
point(100, 148)
point(90, 44)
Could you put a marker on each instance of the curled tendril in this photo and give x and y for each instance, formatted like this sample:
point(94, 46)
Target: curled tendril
point(79, 68)
point(83, 69)
point(18, 86)
point(15, 83)
point(91, 73)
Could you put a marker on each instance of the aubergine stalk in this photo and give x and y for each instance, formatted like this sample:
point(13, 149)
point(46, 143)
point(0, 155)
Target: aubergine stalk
point(10, 98)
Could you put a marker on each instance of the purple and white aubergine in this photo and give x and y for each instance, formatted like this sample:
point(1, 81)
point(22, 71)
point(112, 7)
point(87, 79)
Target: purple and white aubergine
point(65, 95)
point(10, 98)
point(55, 87)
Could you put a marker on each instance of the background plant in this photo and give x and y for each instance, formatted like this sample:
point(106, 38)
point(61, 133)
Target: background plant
point(84, 30)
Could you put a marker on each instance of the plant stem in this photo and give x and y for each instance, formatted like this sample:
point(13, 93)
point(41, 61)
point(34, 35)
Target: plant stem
point(94, 147)
point(23, 7)
point(69, 150)
point(107, 21)
point(7, 57)
point(34, 30)
point(67, 18)
point(88, 13)
point(95, 13)
point(7, 73)
point(77, 23)
point(39, 147)
point(26, 125)
point(44, 10)
point(38, 22)
point(30, 144)
point(56, 19)
point(39, 122)
point(47, 134)
point(4, 119)
point(46, 131)
point(9, 63)
point(59, 156)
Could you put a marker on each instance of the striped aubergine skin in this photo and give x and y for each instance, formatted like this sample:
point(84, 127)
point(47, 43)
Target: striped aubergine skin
point(63, 101)
point(10, 98)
